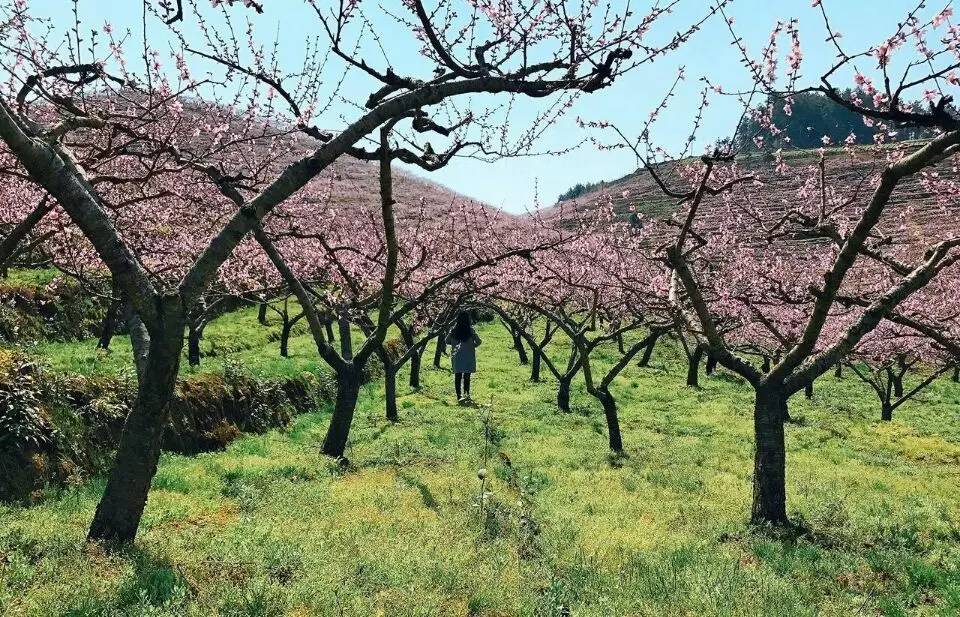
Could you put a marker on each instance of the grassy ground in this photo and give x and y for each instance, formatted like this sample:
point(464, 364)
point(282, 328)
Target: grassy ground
point(270, 527)
point(236, 338)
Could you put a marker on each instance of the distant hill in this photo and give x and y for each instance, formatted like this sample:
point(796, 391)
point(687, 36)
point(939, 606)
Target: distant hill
point(638, 190)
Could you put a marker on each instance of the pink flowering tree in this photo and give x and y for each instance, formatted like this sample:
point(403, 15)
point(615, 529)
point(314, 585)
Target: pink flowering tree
point(595, 289)
point(59, 97)
point(829, 241)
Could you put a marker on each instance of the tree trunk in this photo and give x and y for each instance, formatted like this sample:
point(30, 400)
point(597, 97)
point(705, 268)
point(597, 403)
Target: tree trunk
point(886, 411)
point(808, 390)
point(535, 365)
point(838, 372)
point(285, 337)
point(262, 313)
point(109, 325)
point(440, 348)
point(769, 463)
point(139, 341)
point(416, 358)
point(348, 389)
point(346, 341)
point(956, 374)
point(711, 366)
point(693, 368)
point(620, 347)
point(613, 422)
point(390, 391)
point(518, 345)
point(121, 507)
point(10, 244)
point(563, 394)
point(648, 352)
point(329, 329)
point(766, 365)
point(194, 335)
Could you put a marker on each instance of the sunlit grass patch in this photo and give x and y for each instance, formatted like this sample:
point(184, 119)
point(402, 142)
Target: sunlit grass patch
point(269, 526)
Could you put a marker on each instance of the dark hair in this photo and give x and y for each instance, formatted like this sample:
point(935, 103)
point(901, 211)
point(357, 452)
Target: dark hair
point(463, 328)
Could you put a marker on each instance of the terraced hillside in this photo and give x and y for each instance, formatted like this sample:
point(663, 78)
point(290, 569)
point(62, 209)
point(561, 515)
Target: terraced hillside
point(850, 173)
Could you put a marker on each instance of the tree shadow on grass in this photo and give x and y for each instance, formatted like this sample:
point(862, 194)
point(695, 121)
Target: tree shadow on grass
point(153, 582)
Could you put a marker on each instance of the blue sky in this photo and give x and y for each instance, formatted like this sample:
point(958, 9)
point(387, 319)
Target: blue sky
point(516, 183)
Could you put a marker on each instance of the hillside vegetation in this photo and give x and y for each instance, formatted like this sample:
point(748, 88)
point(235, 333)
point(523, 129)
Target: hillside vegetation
point(845, 169)
point(272, 527)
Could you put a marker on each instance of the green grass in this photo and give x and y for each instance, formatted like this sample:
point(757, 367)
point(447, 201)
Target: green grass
point(31, 277)
point(271, 527)
point(236, 337)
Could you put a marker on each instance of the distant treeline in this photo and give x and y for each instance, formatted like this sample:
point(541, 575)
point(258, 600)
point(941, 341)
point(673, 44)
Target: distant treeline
point(579, 189)
point(812, 116)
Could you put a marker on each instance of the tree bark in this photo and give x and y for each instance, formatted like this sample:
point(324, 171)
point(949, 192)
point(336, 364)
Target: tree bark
point(390, 391)
point(125, 497)
point(139, 341)
point(346, 340)
point(648, 352)
point(535, 365)
point(563, 393)
point(693, 368)
point(285, 329)
point(838, 372)
point(808, 390)
point(711, 366)
point(10, 245)
point(769, 463)
point(194, 334)
point(886, 411)
point(262, 313)
point(613, 421)
point(440, 349)
point(416, 358)
point(109, 325)
point(348, 390)
point(518, 345)
point(956, 374)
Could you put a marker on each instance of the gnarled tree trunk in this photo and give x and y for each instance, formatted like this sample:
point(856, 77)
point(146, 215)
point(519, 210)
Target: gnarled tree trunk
point(109, 325)
point(648, 352)
point(440, 349)
point(416, 358)
point(886, 411)
point(518, 345)
point(348, 390)
point(769, 463)
point(563, 393)
point(613, 421)
point(535, 364)
point(390, 391)
point(119, 511)
point(711, 366)
point(693, 368)
point(194, 334)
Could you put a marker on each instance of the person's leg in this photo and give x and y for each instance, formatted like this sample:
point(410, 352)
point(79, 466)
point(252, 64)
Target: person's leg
point(466, 385)
point(457, 380)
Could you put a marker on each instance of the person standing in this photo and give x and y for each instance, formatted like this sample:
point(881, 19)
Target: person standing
point(463, 341)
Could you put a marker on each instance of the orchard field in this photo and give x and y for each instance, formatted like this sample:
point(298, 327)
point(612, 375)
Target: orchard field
point(270, 526)
point(289, 327)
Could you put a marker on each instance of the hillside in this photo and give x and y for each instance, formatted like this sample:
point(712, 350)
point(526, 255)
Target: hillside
point(845, 170)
